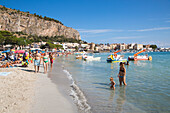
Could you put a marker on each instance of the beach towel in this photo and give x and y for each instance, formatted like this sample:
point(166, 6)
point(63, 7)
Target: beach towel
point(4, 73)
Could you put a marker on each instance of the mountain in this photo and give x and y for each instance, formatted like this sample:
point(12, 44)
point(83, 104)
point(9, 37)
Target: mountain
point(32, 24)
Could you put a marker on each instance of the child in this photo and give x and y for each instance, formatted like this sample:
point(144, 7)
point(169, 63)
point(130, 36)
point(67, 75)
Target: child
point(112, 83)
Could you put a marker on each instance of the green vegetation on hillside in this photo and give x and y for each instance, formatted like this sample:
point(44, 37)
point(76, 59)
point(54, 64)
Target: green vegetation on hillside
point(51, 46)
point(7, 37)
point(153, 46)
point(14, 11)
point(60, 39)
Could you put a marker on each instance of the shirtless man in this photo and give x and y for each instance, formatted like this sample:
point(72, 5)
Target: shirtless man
point(37, 60)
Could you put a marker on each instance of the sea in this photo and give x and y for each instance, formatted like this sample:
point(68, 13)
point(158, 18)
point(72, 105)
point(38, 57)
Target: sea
point(147, 90)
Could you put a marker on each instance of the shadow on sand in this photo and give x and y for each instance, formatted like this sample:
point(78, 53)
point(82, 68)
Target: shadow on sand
point(28, 70)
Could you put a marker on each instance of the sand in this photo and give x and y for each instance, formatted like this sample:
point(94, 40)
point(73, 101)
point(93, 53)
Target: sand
point(23, 91)
point(16, 89)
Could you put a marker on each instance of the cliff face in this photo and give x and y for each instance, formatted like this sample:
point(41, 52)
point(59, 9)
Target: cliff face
point(14, 21)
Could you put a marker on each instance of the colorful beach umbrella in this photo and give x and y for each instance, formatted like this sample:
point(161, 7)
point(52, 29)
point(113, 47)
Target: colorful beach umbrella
point(20, 51)
point(6, 51)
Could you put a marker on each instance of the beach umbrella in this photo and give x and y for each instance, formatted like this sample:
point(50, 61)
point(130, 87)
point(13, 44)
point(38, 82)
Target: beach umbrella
point(42, 51)
point(6, 51)
point(20, 51)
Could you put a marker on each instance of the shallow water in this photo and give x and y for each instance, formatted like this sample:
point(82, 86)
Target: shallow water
point(147, 87)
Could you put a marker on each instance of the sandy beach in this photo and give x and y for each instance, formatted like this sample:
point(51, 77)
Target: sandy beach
point(23, 91)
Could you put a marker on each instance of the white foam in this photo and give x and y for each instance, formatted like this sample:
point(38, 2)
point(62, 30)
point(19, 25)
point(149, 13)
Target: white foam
point(78, 95)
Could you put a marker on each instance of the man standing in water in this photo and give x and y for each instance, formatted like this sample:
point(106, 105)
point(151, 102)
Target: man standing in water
point(37, 60)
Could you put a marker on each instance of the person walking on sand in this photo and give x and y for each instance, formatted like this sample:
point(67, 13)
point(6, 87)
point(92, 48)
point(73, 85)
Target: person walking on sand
point(51, 60)
point(37, 60)
point(45, 62)
point(122, 74)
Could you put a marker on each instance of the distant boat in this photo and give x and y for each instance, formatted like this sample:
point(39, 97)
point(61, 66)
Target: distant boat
point(115, 58)
point(79, 57)
point(96, 52)
point(136, 56)
point(91, 58)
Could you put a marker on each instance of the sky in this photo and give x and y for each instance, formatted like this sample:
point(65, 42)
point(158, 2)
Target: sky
point(107, 21)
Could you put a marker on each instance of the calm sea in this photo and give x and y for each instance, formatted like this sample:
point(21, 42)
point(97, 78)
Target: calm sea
point(147, 90)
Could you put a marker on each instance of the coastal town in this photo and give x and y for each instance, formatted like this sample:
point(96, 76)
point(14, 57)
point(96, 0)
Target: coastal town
point(88, 47)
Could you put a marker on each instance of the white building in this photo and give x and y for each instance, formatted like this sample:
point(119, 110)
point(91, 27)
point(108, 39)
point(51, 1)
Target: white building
point(64, 45)
point(138, 46)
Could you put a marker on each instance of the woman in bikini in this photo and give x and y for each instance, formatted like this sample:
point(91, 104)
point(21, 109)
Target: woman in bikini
point(122, 74)
point(51, 59)
point(45, 59)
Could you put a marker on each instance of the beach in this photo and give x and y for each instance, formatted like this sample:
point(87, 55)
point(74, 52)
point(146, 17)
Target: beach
point(23, 91)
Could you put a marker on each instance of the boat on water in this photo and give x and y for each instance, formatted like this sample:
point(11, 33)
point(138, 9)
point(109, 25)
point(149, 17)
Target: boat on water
point(79, 57)
point(136, 56)
point(91, 58)
point(113, 58)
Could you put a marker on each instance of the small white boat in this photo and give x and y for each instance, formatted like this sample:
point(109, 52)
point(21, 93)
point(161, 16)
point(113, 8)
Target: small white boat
point(91, 58)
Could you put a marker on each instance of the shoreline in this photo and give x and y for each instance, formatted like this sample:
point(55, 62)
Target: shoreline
point(75, 92)
point(51, 95)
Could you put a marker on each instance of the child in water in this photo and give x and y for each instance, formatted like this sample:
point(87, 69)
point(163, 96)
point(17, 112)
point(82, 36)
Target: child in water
point(112, 83)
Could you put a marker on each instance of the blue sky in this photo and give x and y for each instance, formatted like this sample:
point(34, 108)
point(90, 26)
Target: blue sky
point(107, 21)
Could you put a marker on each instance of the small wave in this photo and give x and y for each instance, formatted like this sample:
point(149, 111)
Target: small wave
point(78, 95)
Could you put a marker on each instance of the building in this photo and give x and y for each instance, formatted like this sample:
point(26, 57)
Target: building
point(130, 46)
point(113, 46)
point(123, 46)
point(64, 46)
point(138, 46)
point(92, 46)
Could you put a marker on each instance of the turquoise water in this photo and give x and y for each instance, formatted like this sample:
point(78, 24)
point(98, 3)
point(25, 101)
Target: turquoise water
point(147, 90)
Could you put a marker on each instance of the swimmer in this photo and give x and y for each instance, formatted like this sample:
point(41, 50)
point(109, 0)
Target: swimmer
point(112, 83)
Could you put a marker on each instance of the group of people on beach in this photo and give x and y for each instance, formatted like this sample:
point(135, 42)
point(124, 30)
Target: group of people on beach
point(8, 59)
point(46, 59)
point(121, 75)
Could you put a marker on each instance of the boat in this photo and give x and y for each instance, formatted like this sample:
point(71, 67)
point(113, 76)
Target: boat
point(96, 52)
point(136, 56)
point(79, 57)
point(91, 58)
point(113, 58)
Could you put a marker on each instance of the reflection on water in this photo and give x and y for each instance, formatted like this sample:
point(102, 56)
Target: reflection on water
point(121, 99)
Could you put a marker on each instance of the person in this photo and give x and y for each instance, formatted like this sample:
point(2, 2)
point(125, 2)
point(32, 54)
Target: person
point(112, 84)
point(122, 74)
point(127, 63)
point(3, 58)
point(30, 57)
point(37, 60)
point(10, 56)
point(11, 52)
point(45, 63)
point(6, 65)
point(51, 60)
